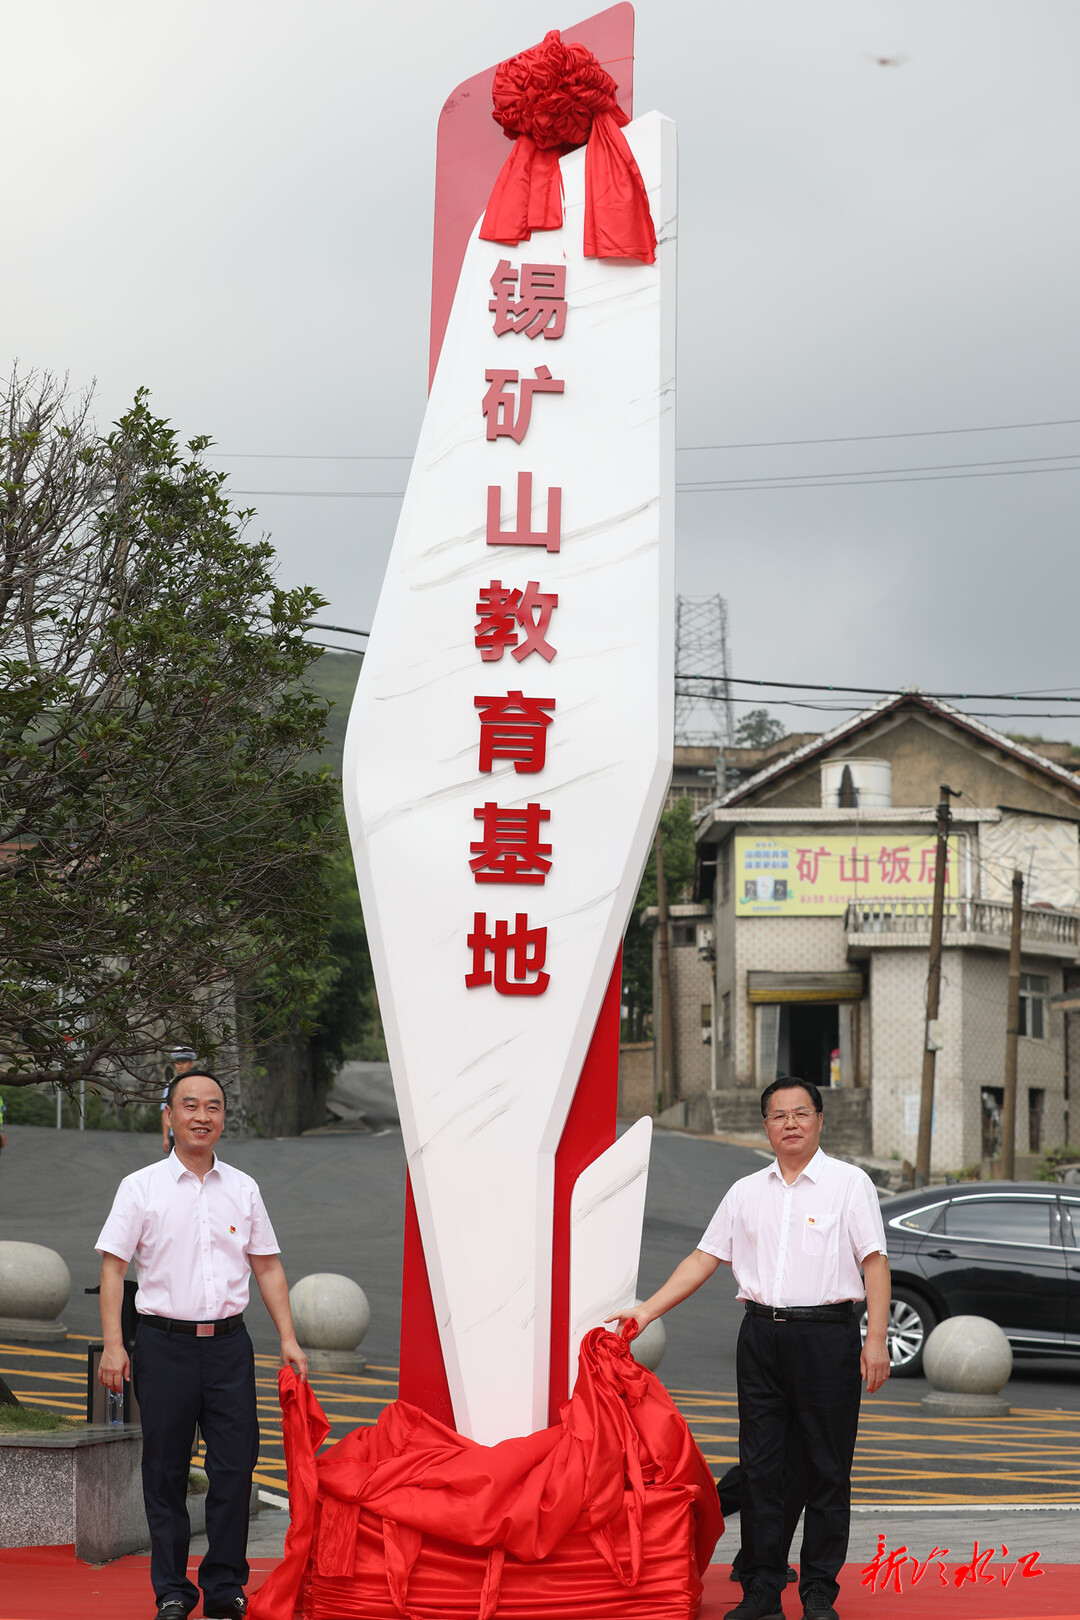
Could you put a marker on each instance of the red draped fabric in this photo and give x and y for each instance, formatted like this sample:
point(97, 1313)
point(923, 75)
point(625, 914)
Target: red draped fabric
point(549, 100)
point(614, 1504)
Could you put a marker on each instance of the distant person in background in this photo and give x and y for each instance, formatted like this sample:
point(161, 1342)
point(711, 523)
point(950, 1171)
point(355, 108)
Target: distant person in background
point(181, 1060)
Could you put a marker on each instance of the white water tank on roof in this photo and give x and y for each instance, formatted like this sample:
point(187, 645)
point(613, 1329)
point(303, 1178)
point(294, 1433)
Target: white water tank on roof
point(857, 783)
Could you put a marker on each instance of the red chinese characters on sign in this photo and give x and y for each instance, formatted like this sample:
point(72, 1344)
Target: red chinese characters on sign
point(504, 611)
point(807, 864)
point(928, 866)
point(855, 870)
point(540, 306)
point(524, 951)
point(510, 850)
point(894, 865)
point(498, 403)
point(514, 727)
point(886, 1567)
point(522, 534)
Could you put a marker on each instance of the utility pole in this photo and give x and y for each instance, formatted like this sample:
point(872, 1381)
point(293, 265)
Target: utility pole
point(667, 1023)
point(933, 992)
point(1012, 1035)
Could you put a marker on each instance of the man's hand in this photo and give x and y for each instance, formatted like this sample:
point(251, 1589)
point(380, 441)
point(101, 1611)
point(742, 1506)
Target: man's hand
point(874, 1363)
point(114, 1368)
point(637, 1314)
point(292, 1356)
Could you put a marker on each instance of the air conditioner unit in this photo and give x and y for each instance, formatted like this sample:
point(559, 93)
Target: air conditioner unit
point(706, 943)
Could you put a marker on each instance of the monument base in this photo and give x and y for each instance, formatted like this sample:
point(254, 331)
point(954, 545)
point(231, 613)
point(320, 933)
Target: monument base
point(613, 1509)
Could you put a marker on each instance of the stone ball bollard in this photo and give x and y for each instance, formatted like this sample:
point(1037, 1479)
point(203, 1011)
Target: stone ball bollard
point(648, 1348)
point(967, 1360)
point(331, 1314)
point(35, 1285)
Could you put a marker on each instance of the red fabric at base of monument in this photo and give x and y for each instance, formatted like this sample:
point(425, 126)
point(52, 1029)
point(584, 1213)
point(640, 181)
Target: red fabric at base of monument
point(614, 1505)
point(572, 1583)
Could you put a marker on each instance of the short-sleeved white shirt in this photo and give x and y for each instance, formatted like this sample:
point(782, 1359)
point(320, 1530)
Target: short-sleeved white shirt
point(803, 1243)
point(190, 1239)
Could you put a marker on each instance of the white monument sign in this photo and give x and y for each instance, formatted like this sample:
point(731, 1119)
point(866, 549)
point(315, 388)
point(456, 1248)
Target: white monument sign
point(507, 759)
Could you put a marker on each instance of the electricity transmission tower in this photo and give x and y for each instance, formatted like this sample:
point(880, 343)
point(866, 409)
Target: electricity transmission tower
point(703, 710)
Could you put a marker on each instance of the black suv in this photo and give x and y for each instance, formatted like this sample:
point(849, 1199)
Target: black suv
point(1008, 1250)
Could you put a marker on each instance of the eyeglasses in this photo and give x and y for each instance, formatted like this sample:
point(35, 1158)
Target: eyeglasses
point(801, 1116)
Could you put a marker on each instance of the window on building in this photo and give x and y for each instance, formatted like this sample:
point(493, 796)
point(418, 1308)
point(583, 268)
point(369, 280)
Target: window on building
point(1034, 990)
point(725, 1024)
point(723, 862)
point(683, 934)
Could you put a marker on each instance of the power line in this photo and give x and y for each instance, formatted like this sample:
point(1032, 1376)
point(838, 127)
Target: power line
point(753, 444)
point(849, 483)
point(329, 494)
point(290, 455)
point(892, 691)
point(339, 629)
point(328, 646)
point(866, 438)
point(873, 472)
point(779, 481)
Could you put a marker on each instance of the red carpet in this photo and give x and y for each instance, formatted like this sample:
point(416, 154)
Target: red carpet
point(48, 1583)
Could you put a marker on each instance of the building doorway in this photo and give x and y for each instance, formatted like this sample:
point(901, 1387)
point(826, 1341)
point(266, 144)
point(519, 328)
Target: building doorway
point(809, 1041)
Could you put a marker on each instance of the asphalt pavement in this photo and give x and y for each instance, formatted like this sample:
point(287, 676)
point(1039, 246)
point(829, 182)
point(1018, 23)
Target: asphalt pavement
point(336, 1201)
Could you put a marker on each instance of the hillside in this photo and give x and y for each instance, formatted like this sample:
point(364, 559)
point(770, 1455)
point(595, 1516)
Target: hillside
point(334, 676)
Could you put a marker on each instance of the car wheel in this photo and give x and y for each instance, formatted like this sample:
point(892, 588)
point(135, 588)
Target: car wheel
point(911, 1321)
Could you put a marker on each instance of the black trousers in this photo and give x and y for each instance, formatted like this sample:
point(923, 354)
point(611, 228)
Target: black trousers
point(799, 1387)
point(180, 1381)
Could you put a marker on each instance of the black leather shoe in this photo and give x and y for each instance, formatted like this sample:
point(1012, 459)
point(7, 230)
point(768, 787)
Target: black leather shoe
point(756, 1605)
point(816, 1604)
point(231, 1611)
point(173, 1609)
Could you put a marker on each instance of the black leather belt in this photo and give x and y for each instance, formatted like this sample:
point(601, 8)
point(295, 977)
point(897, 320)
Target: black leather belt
point(201, 1330)
point(802, 1313)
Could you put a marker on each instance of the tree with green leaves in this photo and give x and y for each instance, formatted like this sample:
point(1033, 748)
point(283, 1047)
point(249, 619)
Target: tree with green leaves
point(163, 853)
point(758, 729)
point(677, 833)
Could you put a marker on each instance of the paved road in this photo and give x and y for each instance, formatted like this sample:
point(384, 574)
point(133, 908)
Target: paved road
point(336, 1202)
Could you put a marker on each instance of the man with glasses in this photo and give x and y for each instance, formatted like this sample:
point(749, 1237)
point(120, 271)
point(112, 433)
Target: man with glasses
point(805, 1239)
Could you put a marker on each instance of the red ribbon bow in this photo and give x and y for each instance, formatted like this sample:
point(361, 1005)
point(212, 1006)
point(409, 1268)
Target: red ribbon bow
point(549, 100)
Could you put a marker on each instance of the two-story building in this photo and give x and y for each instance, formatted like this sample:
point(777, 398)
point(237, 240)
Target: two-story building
point(807, 951)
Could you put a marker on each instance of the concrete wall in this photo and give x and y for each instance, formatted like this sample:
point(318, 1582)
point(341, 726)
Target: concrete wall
point(637, 1080)
point(691, 989)
point(974, 992)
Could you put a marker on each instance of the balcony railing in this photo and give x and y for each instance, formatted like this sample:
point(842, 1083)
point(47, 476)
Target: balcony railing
point(987, 917)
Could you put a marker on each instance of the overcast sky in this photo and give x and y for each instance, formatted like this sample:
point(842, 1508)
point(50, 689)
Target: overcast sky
point(230, 201)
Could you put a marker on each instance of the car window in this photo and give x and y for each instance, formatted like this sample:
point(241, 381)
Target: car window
point(1001, 1220)
point(921, 1220)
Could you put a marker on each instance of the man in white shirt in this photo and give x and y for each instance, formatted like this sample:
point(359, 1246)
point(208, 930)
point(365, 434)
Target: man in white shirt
point(805, 1239)
point(196, 1229)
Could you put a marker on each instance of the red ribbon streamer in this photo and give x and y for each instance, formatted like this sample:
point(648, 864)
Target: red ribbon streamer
point(550, 100)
